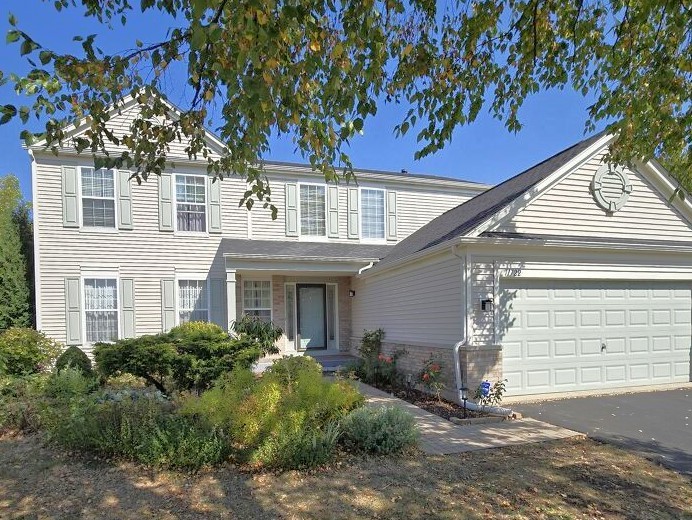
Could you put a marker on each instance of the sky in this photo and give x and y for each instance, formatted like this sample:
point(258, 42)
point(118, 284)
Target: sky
point(483, 151)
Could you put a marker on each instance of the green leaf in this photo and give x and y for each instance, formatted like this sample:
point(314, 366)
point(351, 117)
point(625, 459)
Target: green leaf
point(12, 36)
point(12, 19)
point(45, 57)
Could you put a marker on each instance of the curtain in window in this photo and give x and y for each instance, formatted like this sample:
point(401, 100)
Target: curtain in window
point(192, 300)
point(101, 309)
point(98, 198)
point(257, 299)
point(191, 203)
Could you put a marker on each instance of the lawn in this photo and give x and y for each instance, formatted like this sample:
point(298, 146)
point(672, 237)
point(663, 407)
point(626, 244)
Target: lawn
point(575, 478)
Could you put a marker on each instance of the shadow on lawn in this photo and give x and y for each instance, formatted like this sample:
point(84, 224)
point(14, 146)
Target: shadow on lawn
point(573, 478)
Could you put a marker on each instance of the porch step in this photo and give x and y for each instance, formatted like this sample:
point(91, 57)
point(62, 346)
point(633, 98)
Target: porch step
point(330, 362)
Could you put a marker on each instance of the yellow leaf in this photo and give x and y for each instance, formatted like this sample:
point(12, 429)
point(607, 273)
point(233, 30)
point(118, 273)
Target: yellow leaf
point(407, 50)
point(315, 46)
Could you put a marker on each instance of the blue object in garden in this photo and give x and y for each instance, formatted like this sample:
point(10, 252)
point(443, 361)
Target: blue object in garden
point(485, 388)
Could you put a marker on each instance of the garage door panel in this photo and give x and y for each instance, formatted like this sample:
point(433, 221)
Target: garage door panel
point(555, 341)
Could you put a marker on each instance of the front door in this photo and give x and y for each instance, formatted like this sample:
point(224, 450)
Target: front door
point(312, 316)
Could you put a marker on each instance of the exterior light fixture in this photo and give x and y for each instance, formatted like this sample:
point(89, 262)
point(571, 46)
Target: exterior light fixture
point(464, 397)
point(351, 293)
point(487, 305)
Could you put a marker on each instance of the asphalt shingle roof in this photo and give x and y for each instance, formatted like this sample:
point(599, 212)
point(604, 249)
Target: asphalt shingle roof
point(303, 250)
point(460, 220)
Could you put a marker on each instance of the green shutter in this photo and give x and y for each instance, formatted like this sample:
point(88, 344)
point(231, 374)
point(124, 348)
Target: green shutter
point(70, 205)
point(166, 202)
point(73, 311)
point(124, 200)
point(127, 308)
point(353, 211)
point(391, 215)
point(214, 205)
point(333, 211)
point(291, 210)
point(217, 301)
point(167, 304)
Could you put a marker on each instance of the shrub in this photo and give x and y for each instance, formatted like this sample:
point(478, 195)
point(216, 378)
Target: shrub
point(263, 334)
point(69, 382)
point(76, 358)
point(383, 430)
point(276, 419)
point(21, 402)
point(26, 351)
point(139, 425)
point(375, 368)
point(431, 376)
point(494, 396)
point(189, 357)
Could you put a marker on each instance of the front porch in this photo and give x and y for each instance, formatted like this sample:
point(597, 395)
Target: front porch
point(302, 287)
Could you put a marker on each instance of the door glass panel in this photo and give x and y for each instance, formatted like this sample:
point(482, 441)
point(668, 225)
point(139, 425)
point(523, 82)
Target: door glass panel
point(331, 313)
point(311, 322)
point(290, 312)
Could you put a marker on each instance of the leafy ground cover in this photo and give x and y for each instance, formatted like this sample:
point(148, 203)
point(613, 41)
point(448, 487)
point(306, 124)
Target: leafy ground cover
point(576, 478)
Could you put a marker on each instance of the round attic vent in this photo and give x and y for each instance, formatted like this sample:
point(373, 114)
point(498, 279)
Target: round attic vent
point(611, 187)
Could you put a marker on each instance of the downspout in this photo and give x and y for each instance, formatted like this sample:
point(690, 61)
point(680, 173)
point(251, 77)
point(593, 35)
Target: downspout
point(458, 378)
point(362, 269)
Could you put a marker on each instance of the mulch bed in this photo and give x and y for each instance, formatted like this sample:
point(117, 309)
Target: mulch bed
point(444, 408)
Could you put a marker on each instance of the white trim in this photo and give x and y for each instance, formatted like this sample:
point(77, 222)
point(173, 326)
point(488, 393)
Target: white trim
point(337, 341)
point(524, 200)
point(98, 275)
point(175, 205)
point(667, 183)
point(244, 280)
point(36, 233)
point(364, 240)
point(312, 238)
point(199, 277)
point(116, 194)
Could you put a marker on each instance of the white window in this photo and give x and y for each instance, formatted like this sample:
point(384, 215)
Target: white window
point(372, 214)
point(257, 299)
point(312, 210)
point(101, 309)
point(191, 203)
point(98, 197)
point(193, 304)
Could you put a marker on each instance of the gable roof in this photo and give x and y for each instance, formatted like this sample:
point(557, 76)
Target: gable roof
point(464, 218)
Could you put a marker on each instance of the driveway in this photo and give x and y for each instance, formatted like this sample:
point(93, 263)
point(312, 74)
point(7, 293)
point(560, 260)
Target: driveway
point(655, 424)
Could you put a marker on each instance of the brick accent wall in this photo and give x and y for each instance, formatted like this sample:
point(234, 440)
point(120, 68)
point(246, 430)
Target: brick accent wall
point(477, 363)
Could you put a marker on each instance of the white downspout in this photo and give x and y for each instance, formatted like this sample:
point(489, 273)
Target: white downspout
point(458, 378)
point(362, 269)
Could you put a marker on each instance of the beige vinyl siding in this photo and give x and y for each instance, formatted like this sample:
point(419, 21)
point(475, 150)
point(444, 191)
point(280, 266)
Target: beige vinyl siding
point(419, 305)
point(482, 278)
point(569, 209)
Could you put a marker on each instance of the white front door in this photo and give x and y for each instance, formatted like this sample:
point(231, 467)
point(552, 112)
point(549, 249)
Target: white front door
point(566, 335)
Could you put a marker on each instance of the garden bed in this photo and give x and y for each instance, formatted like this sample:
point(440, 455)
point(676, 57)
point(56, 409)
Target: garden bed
point(430, 403)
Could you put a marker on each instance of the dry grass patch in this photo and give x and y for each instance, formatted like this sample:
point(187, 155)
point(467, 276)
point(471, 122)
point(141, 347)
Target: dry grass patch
point(575, 478)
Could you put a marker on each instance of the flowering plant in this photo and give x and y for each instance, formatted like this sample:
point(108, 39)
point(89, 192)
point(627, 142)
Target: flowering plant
point(431, 376)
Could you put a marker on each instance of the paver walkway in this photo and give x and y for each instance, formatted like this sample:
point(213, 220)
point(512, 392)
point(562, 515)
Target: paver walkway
point(441, 437)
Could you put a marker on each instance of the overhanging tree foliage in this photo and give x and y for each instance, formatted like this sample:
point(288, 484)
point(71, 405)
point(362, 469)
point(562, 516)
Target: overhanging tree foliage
point(317, 70)
point(15, 308)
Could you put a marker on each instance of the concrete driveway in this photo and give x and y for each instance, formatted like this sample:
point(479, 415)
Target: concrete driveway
point(656, 424)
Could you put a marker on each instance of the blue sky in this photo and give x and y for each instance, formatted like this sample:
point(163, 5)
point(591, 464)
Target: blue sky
point(483, 152)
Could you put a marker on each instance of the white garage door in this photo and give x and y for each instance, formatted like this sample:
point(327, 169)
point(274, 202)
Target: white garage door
point(566, 335)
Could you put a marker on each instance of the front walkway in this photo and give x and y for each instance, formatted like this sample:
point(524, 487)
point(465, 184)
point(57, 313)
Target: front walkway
point(441, 437)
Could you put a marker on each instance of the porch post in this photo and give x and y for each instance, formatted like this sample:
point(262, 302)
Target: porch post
point(230, 298)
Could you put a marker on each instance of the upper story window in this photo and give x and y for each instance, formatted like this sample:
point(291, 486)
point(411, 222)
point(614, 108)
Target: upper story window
point(193, 304)
point(257, 299)
point(191, 203)
point(98, 198)
point(312, 210)
point(101, 309)
point(372, 214)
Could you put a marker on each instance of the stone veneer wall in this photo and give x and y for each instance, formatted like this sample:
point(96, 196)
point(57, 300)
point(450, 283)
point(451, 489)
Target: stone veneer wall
point(477, 363)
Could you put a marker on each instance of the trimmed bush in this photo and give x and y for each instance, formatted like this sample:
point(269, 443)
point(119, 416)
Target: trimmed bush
point(74, 357)
point(21, 402)
point(26, 351)
point(189, 357)
point(383, 430)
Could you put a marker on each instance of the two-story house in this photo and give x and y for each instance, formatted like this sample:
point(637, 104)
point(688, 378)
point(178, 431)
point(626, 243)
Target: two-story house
point(572, 275)
point(115, 259)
